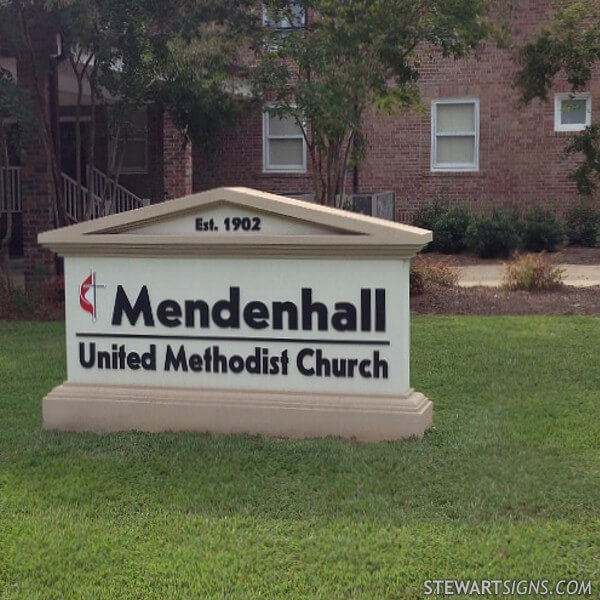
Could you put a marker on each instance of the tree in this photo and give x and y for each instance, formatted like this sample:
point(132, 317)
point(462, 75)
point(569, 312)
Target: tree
point(569, 45)
point(350, 57)
point(14, 107)
point(177, 53)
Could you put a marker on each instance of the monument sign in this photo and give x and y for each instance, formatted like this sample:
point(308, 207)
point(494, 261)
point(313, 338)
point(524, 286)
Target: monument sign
point(238, 311)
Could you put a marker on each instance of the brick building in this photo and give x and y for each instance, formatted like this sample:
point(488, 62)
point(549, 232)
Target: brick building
point(157, 164)
point(473, 143)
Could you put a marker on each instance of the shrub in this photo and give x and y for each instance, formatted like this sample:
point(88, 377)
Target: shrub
point(542, 231)
point(496, 234)
point(449, 226)
point(437, 272)
point(417, 281)
point(583, 225)
point(532, 272)
point(427, 217)
point(450, 230)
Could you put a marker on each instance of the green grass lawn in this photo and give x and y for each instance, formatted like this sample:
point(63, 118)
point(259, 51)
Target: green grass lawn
point(506, 486)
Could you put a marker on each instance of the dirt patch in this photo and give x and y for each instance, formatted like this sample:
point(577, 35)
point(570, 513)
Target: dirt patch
point(498, 301)
point(571, 255)
point(46, 303)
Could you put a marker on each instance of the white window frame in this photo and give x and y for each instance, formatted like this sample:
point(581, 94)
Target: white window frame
point(559, 99)
point(267, 167)
point(136, 170)
point(454, 167)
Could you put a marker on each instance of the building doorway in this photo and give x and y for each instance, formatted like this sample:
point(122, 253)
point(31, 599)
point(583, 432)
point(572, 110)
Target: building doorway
point(68, 148)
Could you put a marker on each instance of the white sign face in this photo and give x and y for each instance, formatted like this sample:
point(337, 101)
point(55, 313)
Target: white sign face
point(296, 325)
point(224, 219)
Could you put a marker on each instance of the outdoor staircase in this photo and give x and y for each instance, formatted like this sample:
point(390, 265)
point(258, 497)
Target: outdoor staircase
point(108, 197)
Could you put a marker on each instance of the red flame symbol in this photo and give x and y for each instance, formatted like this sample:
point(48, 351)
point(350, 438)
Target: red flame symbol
point(84, 288)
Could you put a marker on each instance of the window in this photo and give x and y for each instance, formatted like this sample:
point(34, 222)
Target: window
point(572, 112)
point(284, 147)
point(295, 20)
point(455, 135)
point(134, 144)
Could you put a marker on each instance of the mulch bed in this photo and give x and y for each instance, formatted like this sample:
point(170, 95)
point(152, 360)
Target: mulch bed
point(567, 300)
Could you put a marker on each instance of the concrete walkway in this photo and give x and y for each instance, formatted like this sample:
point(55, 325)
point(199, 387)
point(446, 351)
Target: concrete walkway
point(492, 275)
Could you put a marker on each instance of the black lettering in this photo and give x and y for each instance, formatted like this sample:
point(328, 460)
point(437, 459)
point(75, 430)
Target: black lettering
point(352, 364)
point(323, 365)
point(274, 366)
point(344, 319)
point(379, 309)
point(191, 307)
point(309, 308)
point(231, 306)
point(195, 363)
point(176, 362)
point(149, 359)
point(87, 363)
point(169, 313)
point(119, 357)
point(133, 361)
point(208, 360)
point(218, 360)
point(236, 364)
point(380, 365)
point(285, 361)
point(256, 315)
point(363, 368)
point(300, 361)
point(133, 313)
point(104, 360)
point(253, 362)
point(365, 309)
point(338, 367)
point(292, 312)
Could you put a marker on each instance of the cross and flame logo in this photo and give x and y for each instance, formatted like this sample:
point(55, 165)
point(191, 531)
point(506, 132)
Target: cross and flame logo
point(89, 304)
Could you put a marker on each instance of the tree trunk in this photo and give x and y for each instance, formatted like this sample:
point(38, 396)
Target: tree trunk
point(92, 133)
point(60, 212)
point(5, 274)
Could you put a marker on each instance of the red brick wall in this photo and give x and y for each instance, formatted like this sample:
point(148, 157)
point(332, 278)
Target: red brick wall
point(237, 160)
point(177, 157)
point(36, 178)
point(521, 159)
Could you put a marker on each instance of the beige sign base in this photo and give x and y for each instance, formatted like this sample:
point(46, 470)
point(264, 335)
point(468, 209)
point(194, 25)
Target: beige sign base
point(105, 408)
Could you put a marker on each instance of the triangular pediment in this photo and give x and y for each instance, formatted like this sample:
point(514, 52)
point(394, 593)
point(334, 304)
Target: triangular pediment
point(223, 217)
point(227, 218)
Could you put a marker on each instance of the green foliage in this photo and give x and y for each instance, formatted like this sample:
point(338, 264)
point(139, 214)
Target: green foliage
point(177, 53)
point(353, 56)
point(504, 487)
point(532, 272)
point(451, 230)
point(14, 103)
point(449, 226)
point(542, 231)
point(496, 234)
point(428, 215)
point(569, 45)
point(587, 174)
point(583, 225)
